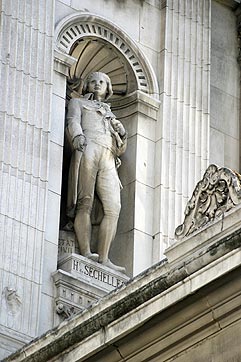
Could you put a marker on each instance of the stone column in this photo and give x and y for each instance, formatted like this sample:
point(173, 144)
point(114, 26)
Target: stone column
point(25, 109)
point(183, 132)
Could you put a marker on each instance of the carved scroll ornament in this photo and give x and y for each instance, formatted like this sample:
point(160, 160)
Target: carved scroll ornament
point(214, 195)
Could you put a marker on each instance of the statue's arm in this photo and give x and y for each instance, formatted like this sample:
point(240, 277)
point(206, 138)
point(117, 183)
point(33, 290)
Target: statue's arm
point(74, 128)
point(121, 138)
point(121, 149)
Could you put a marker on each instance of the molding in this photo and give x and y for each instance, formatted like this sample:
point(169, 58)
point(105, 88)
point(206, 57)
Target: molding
point(62, 62)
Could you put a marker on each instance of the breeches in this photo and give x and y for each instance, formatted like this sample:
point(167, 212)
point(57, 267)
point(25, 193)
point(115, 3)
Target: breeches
point(98, 174)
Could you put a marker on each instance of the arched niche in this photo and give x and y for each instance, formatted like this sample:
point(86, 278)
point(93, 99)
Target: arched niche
point(86, 43)
point(73, 30)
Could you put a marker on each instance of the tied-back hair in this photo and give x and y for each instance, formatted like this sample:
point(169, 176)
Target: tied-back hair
point(109, 92)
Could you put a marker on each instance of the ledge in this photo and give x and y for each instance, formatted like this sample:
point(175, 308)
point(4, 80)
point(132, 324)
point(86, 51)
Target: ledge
point(174, 280)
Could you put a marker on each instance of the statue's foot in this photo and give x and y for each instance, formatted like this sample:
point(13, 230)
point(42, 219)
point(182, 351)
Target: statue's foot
point(92, 256)
point(111, 265)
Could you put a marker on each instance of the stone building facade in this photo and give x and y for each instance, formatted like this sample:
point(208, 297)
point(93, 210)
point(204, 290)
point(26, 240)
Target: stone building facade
point(176, 81)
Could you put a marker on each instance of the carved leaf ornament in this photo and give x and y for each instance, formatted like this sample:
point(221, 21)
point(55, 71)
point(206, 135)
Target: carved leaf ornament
point(214, 195)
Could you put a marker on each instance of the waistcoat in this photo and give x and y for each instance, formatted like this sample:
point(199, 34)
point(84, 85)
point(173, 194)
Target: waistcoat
point(95, 122)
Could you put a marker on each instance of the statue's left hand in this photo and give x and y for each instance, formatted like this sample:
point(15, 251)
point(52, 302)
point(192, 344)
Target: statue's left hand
point(118, 127)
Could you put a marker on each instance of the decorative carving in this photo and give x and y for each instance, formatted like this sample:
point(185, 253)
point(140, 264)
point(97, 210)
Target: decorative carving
point(12, 300)
point(66, 311)
point(215, 194)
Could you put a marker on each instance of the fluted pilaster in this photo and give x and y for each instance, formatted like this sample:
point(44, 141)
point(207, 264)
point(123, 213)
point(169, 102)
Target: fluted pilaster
point(183, 135)
point(25, 109)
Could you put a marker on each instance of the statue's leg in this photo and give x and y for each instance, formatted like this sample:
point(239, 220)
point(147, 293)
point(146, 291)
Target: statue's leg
point(86, 187)
point(108, 189)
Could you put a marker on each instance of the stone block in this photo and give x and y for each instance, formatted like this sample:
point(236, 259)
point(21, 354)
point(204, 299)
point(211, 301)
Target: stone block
point(152, 56)
point(122, 13)
point(47, 308)
point(224, 44)
point(55, 167)
point(148, 12)
point(58, 121)
point(52, 218)
point(62, 10)
point(225, 74)
point(145, 161)
point(142, 252)
point(221, 117)
point(231, 153)
point(126, 220)
point(144, 208)
point(49, 266)
point(216, 147)
point(59, 85)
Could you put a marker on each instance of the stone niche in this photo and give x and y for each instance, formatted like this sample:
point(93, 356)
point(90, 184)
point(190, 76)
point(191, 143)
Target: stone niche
point(87, 43)
point(98, 45)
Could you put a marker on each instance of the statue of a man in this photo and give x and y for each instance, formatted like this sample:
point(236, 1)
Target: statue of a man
point(97, 139)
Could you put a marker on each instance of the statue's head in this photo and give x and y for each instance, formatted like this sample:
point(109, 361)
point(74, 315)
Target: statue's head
point(98, 83)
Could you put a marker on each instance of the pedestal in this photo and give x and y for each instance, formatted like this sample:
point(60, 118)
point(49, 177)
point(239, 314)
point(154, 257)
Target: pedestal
point(80, 281)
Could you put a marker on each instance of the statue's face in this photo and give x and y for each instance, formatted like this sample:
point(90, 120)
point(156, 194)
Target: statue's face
point(98, 85)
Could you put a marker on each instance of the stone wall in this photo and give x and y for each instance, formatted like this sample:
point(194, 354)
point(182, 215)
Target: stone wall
point(225, 88)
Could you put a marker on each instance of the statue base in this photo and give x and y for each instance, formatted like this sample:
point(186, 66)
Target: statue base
point(80, 282)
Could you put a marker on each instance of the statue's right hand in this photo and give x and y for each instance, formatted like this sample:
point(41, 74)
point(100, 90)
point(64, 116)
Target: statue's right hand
point(79, 143)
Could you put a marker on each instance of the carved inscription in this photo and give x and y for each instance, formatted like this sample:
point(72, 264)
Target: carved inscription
point(67, 243)
point(96, 274)
point(66, 246)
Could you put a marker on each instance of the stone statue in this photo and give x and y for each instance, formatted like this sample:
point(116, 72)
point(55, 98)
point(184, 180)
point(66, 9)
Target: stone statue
point(97, 139)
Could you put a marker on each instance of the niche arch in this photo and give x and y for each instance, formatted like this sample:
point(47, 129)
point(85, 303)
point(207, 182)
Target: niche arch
point(85, 29)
